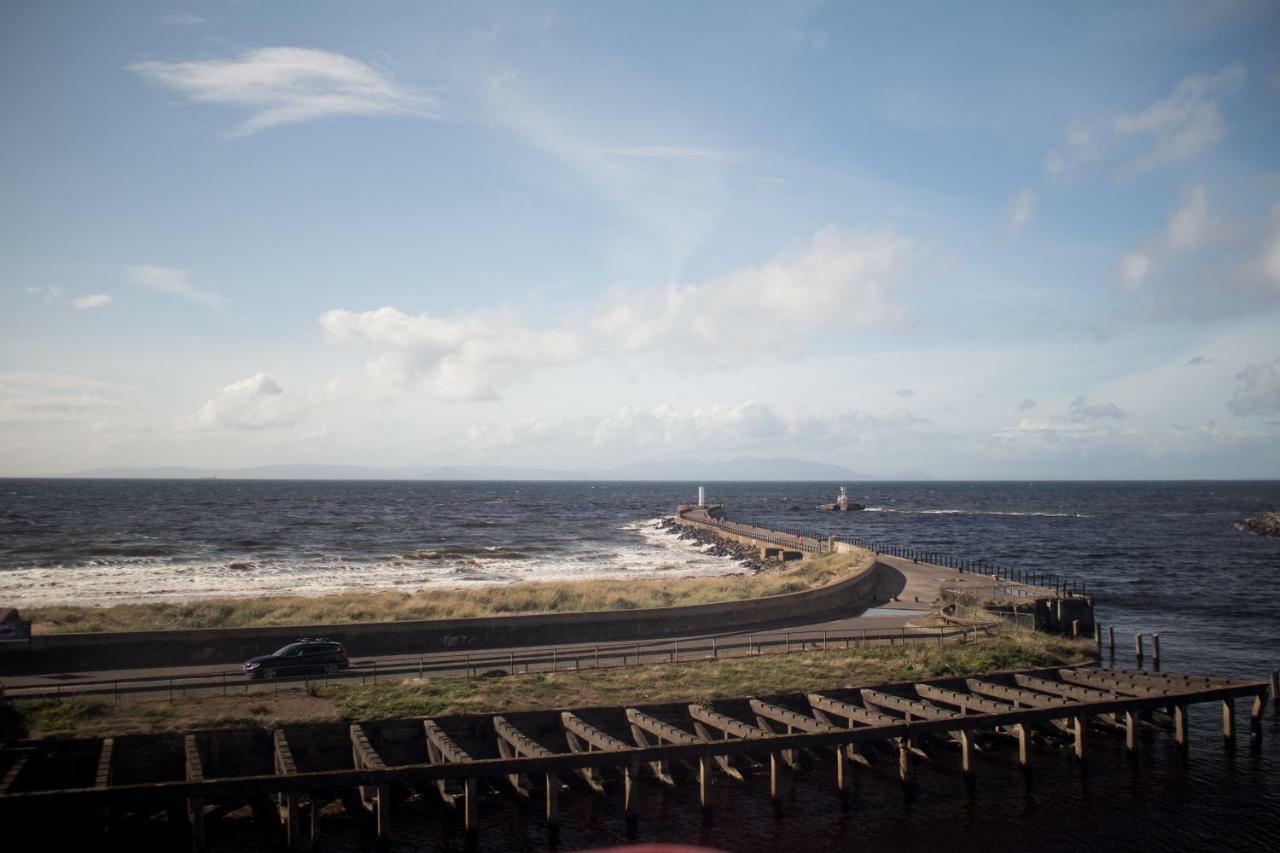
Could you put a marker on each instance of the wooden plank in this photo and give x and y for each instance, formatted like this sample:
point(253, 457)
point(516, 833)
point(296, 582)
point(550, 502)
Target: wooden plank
point(446, 745)
point(664, 731)
point(1125, 687)
point(643, 737)
point(852, 713)
point(283, 754)
point(103, 777)
point(366, 757)
point(522, 743)
point(724, 723)
point(792, 720)
point(1017, 695)
point(965, 701)
point(598, 740)
point(11, 776)
point(195, 767)
point(909, 707)
point(1067, 691)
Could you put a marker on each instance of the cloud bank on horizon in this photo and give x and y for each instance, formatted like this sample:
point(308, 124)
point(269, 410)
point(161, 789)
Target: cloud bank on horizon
point(512, 234)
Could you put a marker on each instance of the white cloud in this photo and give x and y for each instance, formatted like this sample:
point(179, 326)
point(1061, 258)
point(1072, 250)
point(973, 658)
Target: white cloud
point(845, 278)
point(255, 403)
point(672, 152)
point(94, 300)
point(742, 426)
point(179, 18)
point(1082, 410)
point(1080, 147)
point(1189, 228)
point(1027, 405)
point(173, 282)
point(460, 358)
point(50, 293)
point(1174, 129)
point(1258, 391)
point(1021, 211)
point(286, 85)
point(43, 398)
point(1183, 125)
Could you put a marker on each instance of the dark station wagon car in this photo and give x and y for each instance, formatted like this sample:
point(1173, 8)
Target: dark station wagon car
point(308, 656)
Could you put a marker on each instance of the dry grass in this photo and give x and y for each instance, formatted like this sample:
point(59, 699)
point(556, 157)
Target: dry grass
point(395, 605)
point(684, 682)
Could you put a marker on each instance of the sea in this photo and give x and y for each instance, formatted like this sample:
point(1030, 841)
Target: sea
point(1160, 557)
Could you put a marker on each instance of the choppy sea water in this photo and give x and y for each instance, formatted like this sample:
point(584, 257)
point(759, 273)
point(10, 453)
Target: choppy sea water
point(1160, 557)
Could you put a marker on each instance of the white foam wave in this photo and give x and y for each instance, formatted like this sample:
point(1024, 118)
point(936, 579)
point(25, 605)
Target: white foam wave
point(977, 512)
point(643, 550)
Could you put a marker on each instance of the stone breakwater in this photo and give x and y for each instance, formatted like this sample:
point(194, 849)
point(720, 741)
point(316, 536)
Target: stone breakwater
point(716, 546)
point(1264, 524)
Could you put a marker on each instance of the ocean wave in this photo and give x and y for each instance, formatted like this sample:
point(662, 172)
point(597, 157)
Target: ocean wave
point(994, 512)
point(644, 550)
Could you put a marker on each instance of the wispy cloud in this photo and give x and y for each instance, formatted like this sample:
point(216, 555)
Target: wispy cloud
point(44, 398)
point(1258, 391)
point(672, 152)
point(172, 282)
point(94, 300)
point(287, 85)
point(1021, 211)
point(180, 18)
point(1174, 129)
point(1185, 124)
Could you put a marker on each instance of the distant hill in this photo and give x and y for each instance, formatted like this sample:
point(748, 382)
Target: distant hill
point(742, 468)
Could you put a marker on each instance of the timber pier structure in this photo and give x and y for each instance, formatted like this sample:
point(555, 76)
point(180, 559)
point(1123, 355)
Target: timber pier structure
point(453, 763)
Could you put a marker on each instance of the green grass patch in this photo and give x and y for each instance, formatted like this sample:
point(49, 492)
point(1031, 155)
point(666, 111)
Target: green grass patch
point(701, 681)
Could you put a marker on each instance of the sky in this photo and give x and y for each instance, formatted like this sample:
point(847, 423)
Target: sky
point(996, 241)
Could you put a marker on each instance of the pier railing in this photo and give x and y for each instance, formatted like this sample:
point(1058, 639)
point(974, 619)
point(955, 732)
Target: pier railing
point(499, 664)
point(1062, 587)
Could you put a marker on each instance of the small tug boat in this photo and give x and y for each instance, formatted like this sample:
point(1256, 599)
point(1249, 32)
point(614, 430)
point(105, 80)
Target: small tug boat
point(842, 503)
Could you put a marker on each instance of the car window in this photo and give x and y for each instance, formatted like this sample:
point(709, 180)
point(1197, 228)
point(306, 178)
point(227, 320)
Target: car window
point(287, 651)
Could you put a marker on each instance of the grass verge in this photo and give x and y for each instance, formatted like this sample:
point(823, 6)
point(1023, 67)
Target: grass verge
point(685, 682)
point(394, 605)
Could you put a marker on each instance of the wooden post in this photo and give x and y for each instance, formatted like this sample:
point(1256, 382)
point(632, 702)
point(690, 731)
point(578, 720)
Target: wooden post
point(629, 776)
point(1229, 721)
point(1131, 733)
point(1275, 689)
point(1155, 650)
point(470, 808)
point(382, 813)
point(704, 784)
point(1255, 720)
point(1137, 648)
point(966, 759)
point(775, 782)
point(1022, 747)
point(842, 779)
point(1081, 727)
point(553, 800)
point(1180, 727)
point(905, 771)
point(1111, 640)
point(1075, 629)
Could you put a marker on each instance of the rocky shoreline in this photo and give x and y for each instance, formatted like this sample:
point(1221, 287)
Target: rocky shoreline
point(1263, 524)
point(744, 554)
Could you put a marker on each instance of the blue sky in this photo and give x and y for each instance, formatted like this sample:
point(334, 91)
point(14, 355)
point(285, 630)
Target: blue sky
point(1007, 241)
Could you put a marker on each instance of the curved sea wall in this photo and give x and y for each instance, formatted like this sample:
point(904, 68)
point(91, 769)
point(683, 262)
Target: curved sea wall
point(65, 652)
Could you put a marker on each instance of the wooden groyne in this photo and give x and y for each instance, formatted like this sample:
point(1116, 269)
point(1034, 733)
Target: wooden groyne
point(287, 773)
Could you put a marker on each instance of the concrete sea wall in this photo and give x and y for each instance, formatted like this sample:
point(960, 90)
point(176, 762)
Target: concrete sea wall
point(64, 652)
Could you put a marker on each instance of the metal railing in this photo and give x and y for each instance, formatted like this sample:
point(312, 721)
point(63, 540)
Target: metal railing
point(499, 664)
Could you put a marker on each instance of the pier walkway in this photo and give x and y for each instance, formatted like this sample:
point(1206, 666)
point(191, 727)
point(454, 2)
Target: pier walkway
point(369, 765)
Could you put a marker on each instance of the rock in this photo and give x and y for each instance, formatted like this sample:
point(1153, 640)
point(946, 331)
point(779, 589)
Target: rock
point(1265, 524)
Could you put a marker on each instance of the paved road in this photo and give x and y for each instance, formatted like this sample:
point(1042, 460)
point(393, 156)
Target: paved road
point(904, 590)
